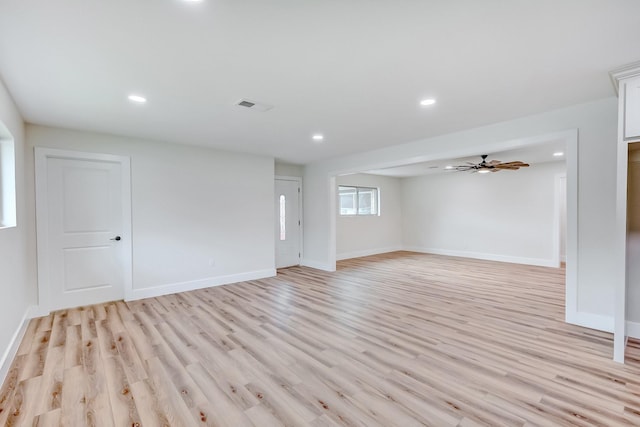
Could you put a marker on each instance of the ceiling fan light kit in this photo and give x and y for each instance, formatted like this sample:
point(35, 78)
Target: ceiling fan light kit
point(491, 166)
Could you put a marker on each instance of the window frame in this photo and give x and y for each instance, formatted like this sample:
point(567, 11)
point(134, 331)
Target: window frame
point(356, 198)
point(8, 207)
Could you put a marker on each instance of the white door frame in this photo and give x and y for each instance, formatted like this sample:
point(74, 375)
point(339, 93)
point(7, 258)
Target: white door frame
point(41, 156)
point(557, 237)
point(300, 213)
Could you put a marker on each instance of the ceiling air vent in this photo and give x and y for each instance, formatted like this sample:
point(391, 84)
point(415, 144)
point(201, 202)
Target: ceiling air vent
point(253, 105)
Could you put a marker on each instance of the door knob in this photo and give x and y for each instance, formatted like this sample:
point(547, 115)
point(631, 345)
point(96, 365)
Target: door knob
point(117, 238)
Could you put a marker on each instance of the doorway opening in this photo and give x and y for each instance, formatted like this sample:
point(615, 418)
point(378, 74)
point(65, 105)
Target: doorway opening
point(422, 240)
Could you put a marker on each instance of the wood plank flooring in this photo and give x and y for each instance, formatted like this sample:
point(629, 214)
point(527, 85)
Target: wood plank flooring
point(401, 339)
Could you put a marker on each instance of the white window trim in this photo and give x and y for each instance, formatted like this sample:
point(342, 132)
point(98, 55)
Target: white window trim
point(8, 207)
point(357, 213)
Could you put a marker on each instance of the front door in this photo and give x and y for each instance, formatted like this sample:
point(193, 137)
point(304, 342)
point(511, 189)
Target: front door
point(82, 228)
point(287, 204)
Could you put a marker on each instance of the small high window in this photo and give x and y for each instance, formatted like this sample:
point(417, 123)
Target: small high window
point(359, 200)
point(7, 179)
point(283, 217)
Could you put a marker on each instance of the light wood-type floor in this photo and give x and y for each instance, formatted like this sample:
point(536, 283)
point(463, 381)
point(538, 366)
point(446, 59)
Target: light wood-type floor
point(401, 339)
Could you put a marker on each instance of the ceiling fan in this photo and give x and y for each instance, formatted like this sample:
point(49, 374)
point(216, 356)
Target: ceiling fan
point(491, 166)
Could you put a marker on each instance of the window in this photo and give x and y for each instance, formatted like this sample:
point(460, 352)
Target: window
point(283, 217)
point(359, 200)
point(7, 179)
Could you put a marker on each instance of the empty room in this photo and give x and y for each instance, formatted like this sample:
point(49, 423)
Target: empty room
point(315, 213)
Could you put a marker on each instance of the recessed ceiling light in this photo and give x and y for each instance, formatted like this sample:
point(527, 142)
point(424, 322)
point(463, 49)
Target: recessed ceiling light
point(448, 167)
point(138, 99)
point(558, 154)
point(427, 102)
point(318, 137)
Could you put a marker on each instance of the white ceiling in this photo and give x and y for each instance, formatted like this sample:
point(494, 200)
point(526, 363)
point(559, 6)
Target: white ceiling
point(352, 70)
point(532, 155)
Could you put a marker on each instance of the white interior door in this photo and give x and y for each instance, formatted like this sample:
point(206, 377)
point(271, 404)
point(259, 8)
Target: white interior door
point(288, 223)
point(83, 228)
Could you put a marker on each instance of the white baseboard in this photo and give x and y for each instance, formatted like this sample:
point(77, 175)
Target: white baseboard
point(590, 320)
point(37, 311)
point(367, 252)
point(602, 323)
point(633, 329)
point(14, 344)
point(173, 288)
point(489, 257)
point(317, 265)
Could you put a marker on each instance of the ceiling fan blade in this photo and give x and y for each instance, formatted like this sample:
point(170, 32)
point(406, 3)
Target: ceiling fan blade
point(514, 163)
point(495, 170)
point(494, 162)
point(519, 165)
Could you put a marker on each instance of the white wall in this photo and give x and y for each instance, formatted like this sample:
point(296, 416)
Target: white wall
point(507, 216)
point(190, 205)
point(288, 169)
point(367, 235)
point(597, 128)
point(16, 293)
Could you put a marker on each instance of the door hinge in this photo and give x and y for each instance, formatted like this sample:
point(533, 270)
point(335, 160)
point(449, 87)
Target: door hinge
point(298, 223)
point(298, 254)
point(298, 189)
